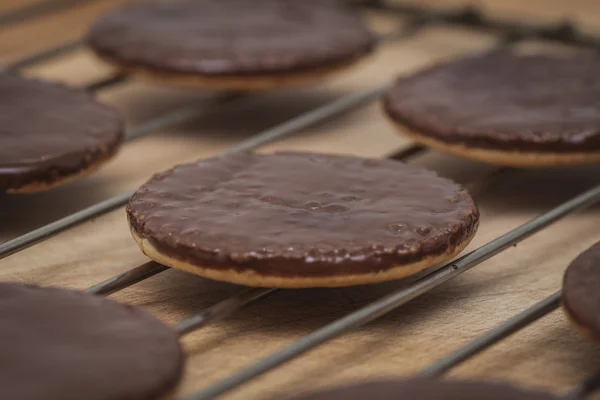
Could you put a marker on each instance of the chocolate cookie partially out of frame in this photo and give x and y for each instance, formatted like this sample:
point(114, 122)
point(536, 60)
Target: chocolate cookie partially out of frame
point(232, 44)
point(51, 134)
point(59, 344)
point(426, 389)
point(301, 219)
point(581, 292)
point(505, 108)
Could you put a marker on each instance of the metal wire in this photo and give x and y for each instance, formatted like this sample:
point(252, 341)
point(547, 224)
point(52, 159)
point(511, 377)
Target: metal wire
point(178, 116)
point(43, 55)
point(128, 278)
point(35, 10)
point(221, 309)
point(106, 82)
point(400, 297)
point(494, 336)
point(37, 235)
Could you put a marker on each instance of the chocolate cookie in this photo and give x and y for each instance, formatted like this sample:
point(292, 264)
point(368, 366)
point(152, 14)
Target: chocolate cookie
point(581, 291)
point(60, 345)
point(232, 44)
point(301, 219)
point(50, 134)
point(427, 389)
point(504, 108)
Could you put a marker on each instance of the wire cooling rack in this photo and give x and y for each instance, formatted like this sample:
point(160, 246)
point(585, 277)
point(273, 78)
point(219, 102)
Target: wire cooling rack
point(416, 20)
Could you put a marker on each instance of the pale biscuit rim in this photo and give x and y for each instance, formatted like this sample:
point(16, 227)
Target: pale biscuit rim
point(509, 158)
point(244, 83)
point(254, 279)
point(41, 186)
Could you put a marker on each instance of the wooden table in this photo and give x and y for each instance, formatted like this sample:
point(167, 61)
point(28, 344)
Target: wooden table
point(550, 354)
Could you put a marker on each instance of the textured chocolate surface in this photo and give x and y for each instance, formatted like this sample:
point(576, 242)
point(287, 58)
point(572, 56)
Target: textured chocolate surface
point(231, 37)
point(63, 345)
point(427, 389)
point(302, 214)
point(49, 131)
point(534, 103)
point(581, 290)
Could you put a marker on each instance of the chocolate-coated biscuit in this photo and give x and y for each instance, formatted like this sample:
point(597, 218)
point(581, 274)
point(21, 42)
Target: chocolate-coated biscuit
point(50, 134)
point(426, 389)
point(505, 108)
point(58, 344)
point(301, 219)
point(232, 44)
point(581, 291)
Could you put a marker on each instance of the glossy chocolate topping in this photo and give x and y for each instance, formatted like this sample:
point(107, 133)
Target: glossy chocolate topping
point(581, 290)
point(427, 389)
point(57, 344)
point(302, 214)
point(231, 37)
point(49, 131)
point(535, 103)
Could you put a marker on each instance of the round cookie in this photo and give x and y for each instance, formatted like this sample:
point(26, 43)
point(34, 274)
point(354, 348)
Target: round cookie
point(301, 219)
point(63, 345)
point(427, 389)
point(504, 108)
point(232, 44)
point(51, 134)
point(581, 292)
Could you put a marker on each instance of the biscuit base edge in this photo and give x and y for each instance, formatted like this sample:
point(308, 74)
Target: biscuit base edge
point(254, 279)
point(243, 83)
point(509, 158)
point(40, 186)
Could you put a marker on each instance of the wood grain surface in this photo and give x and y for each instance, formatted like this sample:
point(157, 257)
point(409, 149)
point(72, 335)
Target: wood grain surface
point(550, 354)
